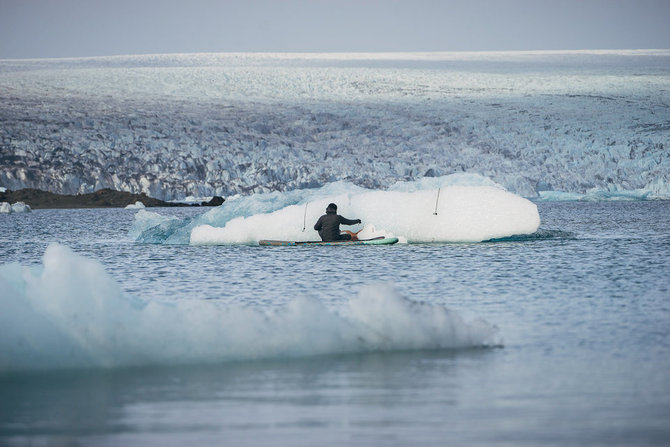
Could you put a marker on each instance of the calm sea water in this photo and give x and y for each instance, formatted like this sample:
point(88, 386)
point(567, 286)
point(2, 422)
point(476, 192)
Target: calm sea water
point(584, 311)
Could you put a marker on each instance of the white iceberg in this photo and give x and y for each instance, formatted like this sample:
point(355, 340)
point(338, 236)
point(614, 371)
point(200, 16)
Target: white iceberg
point(449, 214)
point(136, 206)
point(18, 207)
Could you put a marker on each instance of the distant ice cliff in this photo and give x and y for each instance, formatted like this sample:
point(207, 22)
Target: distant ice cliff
point(591, 124)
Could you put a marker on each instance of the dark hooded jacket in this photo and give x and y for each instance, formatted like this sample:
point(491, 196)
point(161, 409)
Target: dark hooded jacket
point(328, 226)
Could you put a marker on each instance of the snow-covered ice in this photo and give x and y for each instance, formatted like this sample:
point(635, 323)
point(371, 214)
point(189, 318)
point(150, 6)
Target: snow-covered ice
point(453, 208)
point(18, 207)
point(457, 214)
point(135, 206)
point(594, 123)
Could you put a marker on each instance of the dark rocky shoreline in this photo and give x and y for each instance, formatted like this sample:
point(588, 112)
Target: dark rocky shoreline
point(104, 198)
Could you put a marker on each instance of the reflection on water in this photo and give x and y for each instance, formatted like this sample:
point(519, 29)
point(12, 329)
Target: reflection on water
point(270, 399)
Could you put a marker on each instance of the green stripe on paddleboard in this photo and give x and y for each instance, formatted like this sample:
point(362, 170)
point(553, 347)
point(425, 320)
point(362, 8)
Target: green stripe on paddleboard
point(378, 241)
point(384, 241)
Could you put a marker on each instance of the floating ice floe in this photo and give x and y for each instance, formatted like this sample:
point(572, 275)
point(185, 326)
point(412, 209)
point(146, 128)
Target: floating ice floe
point(135, 206)
point(596, 196)
point(450, 214)
point(440, 210)
point(70, 313)
point(18, 207)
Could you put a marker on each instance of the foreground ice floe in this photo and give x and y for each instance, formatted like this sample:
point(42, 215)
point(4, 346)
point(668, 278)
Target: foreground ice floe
point(70, 313)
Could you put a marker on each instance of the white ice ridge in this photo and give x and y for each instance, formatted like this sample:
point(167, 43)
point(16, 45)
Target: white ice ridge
point(172, 126)
point(449, 214)
point(70, 313)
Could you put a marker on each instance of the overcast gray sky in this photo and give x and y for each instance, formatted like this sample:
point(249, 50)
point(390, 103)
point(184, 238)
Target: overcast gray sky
point(64, 28)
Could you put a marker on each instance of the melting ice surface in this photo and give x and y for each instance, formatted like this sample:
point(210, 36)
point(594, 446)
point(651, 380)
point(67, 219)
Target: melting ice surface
point(70, 313)
point(455, 208)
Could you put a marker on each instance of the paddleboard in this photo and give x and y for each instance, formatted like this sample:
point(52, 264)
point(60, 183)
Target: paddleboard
point(375, 241)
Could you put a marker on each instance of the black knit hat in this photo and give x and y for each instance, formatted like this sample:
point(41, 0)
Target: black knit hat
point(332, 207)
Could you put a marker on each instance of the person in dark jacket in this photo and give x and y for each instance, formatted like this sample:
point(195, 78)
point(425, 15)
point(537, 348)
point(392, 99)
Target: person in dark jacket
point(328, 226)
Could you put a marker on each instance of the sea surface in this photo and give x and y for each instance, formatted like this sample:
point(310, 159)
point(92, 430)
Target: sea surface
point(582, 357)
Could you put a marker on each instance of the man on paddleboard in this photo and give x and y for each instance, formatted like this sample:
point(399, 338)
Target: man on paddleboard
point(328, 226)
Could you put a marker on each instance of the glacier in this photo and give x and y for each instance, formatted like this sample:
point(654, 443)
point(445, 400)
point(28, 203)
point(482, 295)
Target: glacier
point(553, 125)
